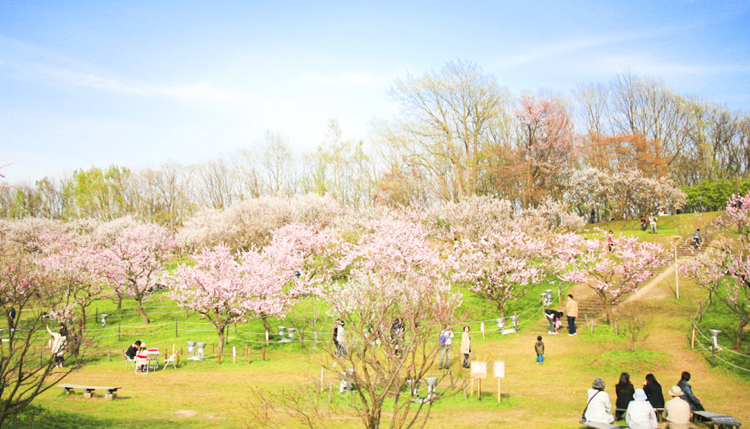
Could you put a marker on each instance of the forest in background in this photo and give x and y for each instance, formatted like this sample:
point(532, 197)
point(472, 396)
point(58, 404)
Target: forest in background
point(621, 148)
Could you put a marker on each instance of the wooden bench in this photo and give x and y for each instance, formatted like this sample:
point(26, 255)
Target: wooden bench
point(722, 421)
point(596, 425)
point(89, 390)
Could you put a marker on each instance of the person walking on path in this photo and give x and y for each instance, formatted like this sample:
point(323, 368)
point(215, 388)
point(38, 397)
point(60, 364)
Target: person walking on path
point(677, 411)
point(697, 238)
point(571, 309)
point(687, 393)
point(446, 340)
point(466, 346)
point(539, 349)
point(641, 414)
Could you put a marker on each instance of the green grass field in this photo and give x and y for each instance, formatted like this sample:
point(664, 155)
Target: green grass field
point(200, 394)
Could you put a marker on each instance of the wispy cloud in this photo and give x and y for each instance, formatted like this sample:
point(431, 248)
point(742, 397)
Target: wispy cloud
point(538, 53)
point(30, 63)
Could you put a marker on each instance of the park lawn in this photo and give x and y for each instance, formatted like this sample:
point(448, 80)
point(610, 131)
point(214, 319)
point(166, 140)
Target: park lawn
point(668, 227)
point(533, 396)
point(551, 395)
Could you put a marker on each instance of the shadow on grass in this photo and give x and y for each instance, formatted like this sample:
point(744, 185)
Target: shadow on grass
point(34, 417)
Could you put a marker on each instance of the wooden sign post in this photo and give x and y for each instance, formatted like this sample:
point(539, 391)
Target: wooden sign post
point(478, 371)
point(499, 373)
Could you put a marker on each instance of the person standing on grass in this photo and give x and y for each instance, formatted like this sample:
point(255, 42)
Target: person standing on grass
point(539, 349)
point(677, 411)
point(652, 222)
point(338, 338)
point(571, 309)
point(610, 241)
point(12, 319)
point(57, 348)
point(397, 335)
point(466, 346)
point(446, 340)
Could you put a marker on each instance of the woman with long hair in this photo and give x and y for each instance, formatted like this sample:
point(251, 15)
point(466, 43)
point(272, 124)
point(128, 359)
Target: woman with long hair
point(625, 392)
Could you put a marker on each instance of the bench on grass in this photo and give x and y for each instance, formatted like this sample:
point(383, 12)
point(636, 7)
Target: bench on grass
point(596, 425)
point(89, 390)
point(721, 421)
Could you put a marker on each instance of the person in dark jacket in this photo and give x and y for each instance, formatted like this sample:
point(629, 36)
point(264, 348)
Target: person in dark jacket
point(133, 349)
point(653, 391)
point(687, 393)
point(552, 315)
point(625, 392)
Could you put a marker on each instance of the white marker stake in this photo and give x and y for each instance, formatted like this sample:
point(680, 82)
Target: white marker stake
point(481, 328)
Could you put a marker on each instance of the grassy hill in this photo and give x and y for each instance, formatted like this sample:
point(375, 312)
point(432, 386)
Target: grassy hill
point(201, 394)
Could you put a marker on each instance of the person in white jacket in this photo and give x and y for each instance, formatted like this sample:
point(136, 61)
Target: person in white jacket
point(599, 408)
point(641, 414)
point(57, 347)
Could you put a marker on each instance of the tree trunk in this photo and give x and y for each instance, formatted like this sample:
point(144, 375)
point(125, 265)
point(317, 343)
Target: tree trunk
point(740, 329)
point(141, 311)
point(266, 326)
point(610, 314)
point(119, 301)
point(220, 331)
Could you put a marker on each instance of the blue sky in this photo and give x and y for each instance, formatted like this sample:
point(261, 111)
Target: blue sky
point(137, 84)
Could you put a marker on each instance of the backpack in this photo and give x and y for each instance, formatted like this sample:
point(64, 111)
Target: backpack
point(442, 338)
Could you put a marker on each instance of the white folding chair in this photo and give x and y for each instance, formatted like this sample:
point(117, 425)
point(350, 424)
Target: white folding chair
point(129, 363)
point(141, 362)
point(172, 359)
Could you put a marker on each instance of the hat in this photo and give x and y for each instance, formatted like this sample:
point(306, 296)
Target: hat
point(598, 384)
point(639, 395)
point(675, 391)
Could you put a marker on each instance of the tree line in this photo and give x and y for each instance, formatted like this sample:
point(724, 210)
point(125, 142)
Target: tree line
point(458, 133)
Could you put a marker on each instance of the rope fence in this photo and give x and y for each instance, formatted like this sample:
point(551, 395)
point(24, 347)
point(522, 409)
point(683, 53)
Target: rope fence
point(714, 348)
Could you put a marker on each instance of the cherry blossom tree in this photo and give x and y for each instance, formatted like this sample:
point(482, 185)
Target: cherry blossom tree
point(609, 274)
point(546, 146)
point(75, 264)
point(738, 211)
point(25, 288)
point(623, 194)
point(228, 288)
point(499, 267)
point(395, 273)
point(725, 273)
point(133, 261)
point(252, 222)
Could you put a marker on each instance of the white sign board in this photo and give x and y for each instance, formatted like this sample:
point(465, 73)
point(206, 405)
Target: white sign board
point(499, 369)
point(479, 370)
